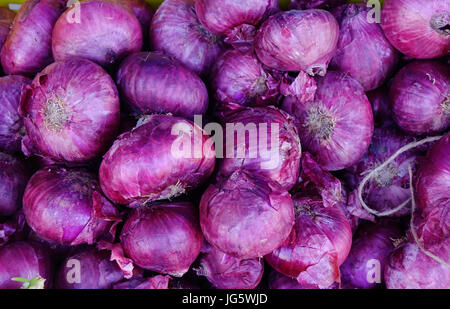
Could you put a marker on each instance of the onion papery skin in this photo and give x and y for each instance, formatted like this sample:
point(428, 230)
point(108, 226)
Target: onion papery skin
point(298, 41)
point(176, 31)
point(420, 97)
point(145, 165)
point(417, 28)
point(278, 159)
point(95, 269)
point(106, 33)
point(163, 237)
point(27, 49)
point(24, 260)
point(67, 206)
point(155, 83)
point(318, 244)
point(227, 272)
point(370, 65)
point(371, 248)
point(6, 19)
point(11, 124)
point(246, 215)
point(71, 112)
point(337, 126)
point(14, 175)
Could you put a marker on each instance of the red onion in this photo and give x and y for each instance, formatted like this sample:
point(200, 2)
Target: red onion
point(366, 262)
point(277, 159)
point(88, 269)
point(6, 19)
point(240, 78)
point(147, 164)
point(176, 31)
point(311, 4)
point(235, 19)
point(246, 215)
point(49, 201)
point(13, 179)
point(25, 260)
point(419, 29)
point(105, 32)
point(153, 283)
point(227, 272)
point(370, 65)
point(27, 49)
point(11, 124)
point(298, 41)
point(143, 12)
point(153, 82)
point(420, 97)
point(163, 237)
point(70, 111)
point(337, 126)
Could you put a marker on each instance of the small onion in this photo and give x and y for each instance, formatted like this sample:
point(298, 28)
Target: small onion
point(163, 237)
point(27, 49)
point(420, 97)
point(67, 206)
point(419, 29)
point(153, 82)
point(146, 164)
point(153, 283)
point(105, 33)
point(246, 215)
point(11, 124)
point(176, 31)
point(6, 19)
point(27, 260)
point(298, 41)
point(70, 111)
point(337, 126)
point(13, 179)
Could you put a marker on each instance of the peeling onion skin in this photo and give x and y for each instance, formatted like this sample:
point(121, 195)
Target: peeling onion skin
point(298, 41)
point(67, 206)
point(140, 166)
point(337, 126)
point(71, 111)
point(420, 97)
point(155, 83)
point(11, 124)
point(246, 215)
point(27, 49)
point(413, 27)
point(6, 19)
point(163, 237)
point(24, 260)
point(13, 179)
point(370, 65)
point(176, 31)
point(107, 33)
point(96, 271)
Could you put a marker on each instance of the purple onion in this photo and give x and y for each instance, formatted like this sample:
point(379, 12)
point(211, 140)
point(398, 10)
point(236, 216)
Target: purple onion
point(176, 31)
point(13, 228)
point(155, 83)
point(70, 111)
point(105, 32)
point(143, 11)
point(298, 41)
point(6, 19)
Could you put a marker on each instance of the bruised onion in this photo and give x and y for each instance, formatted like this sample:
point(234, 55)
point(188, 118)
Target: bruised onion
point(337, 126)
point(67, 206)
point(70, 111)
point(163, 237)
point(162, 158)
point(13, 179)
point(246, 215)
point(155, 83)
point(152, 283)
point(419, 29)
point(11, 124)
point(27, 49)
point(104, 32)
point(298, 41)
point(370, 65)
point(420, 97)
point(6, 19)
point(176, 31)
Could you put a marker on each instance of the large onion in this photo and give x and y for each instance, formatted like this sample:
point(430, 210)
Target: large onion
point(70, 111)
